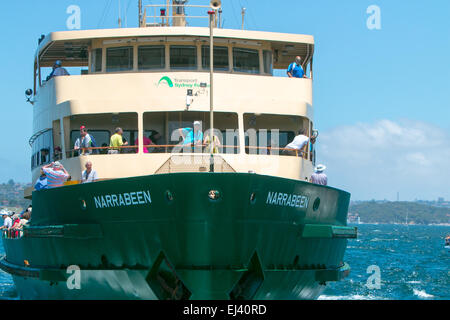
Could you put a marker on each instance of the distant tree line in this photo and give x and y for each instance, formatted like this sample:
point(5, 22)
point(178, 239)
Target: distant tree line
point(400, 212)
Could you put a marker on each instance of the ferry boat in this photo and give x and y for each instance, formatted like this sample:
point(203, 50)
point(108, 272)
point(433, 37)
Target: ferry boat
point(239, 220)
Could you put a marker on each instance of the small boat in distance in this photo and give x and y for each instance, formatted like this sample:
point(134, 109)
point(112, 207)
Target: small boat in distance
point(447, 242)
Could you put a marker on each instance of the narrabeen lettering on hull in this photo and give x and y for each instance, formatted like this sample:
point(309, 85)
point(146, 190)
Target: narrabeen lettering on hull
point(123, 199)
point(287, 200)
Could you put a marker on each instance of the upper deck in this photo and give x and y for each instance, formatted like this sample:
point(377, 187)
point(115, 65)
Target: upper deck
point(157, 79)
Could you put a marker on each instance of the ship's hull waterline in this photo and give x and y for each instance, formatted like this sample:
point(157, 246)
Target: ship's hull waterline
point(182, 236)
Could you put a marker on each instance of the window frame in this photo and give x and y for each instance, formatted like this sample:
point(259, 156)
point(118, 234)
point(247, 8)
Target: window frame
point(131, 58)
point(177, 46)
point(162, 46)
point(241, 70)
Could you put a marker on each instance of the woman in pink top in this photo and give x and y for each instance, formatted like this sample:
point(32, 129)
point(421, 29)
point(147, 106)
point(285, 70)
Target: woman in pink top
point(147, 142)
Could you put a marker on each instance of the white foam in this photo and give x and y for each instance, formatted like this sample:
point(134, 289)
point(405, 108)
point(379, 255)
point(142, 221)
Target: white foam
point(422, 294)
point(351, 297)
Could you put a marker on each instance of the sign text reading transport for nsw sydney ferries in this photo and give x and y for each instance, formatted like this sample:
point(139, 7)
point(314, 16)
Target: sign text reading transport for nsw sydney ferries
point(122, 199)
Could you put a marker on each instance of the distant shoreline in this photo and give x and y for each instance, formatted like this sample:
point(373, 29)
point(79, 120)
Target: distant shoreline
point(400, 224)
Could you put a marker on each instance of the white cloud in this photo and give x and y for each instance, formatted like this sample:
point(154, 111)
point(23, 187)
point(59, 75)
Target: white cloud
point(375, 160)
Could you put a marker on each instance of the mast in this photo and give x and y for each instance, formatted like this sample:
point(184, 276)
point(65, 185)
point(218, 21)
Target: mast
point(211, 89)
point(140, 12)
point(215, 5)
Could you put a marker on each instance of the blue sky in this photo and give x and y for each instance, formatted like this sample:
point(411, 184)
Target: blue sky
point(382, 95)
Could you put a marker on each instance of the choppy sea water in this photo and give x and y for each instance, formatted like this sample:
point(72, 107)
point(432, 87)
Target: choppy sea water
point(412, 261)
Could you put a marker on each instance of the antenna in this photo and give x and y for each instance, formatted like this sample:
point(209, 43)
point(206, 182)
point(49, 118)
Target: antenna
point(120, 20)
point(140, 13)
point(243, 17)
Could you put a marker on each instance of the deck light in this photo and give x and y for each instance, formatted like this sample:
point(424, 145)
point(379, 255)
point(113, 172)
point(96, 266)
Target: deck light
point(28, 94)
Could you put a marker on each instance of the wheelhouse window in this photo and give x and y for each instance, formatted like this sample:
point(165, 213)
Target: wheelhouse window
point(246, 60)
point(97, 60)
point(269, 134)
point(42, 149)
point(175, 132)
point(119, 59)
point(101, 127)
point(151, 57)
point(220, 58)
point(183, 57)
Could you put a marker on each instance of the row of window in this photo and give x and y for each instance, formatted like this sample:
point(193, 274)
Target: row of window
point(181, 58)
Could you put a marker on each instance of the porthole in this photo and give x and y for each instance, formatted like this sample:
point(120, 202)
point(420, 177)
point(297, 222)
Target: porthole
point(316, 204)
point(253, 198)
point(214, 195)
point(169, 196)
point(83, 204)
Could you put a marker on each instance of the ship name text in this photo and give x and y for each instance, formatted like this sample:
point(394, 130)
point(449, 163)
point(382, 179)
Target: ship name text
point(287, 200)
point(123, 199)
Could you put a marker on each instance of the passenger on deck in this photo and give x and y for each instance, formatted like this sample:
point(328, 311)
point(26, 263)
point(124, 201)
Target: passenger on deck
point(156, 138)
point(192, 136)
point(41, 182)
point(295, 69)
point(299, 143)
point(58, 70)
point(84, 142)
point(147, 142)
point(89, 175)
point(7, 221)
point(319, 177)
point(217, 144)
point(16, 221)
point(57, 153)
point(56, 174)
point(116, 142)
point(26, 217)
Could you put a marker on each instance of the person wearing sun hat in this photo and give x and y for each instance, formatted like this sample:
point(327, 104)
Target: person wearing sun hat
point(7, 221)
point(56, 174)
point(319, 177)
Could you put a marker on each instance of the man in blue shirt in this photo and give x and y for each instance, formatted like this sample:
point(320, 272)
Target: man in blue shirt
point(295, 69)
point(58, 70)
point(192, 136)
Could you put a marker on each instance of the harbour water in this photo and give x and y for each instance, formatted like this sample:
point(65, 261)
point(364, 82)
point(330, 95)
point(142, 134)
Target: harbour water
point(412, 261)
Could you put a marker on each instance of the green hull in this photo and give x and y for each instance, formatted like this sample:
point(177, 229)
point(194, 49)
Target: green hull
point(163, 237)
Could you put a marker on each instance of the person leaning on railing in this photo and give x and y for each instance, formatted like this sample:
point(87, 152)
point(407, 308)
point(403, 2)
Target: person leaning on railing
point(297, 145)
point(7, 221)
point(295, 69)
point(116, 142)
point(85, 142)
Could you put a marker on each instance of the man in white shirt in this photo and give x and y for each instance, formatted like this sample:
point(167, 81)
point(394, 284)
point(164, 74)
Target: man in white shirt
point(89, 175)
point(7, 221)
point(298, 144)
point(84, 142)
